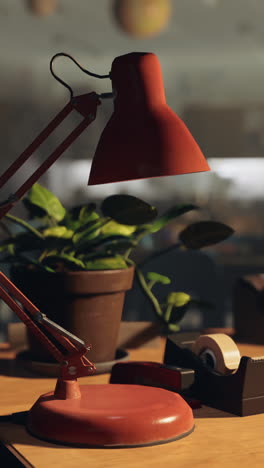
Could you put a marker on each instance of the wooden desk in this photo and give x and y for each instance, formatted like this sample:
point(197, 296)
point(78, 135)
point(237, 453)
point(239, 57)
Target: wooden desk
point(220, 439)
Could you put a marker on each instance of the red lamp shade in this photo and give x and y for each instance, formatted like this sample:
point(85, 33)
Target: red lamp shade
point(144, 138)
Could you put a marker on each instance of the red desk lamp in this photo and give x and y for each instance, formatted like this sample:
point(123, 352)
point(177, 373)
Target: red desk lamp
point(143, 138)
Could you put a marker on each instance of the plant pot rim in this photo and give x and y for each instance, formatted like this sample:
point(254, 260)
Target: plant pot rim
point(106, 272)
point(80, 282)
point(75, 273)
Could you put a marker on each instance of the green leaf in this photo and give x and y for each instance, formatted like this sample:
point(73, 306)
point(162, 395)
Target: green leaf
point(117, 247)
point(57, 243)
point(77, 216)
point(173, 327)
point(81, 212)
point(112, 243)
point(129, 210)
point(204, 233)
point(22, 242)
point(87, 232)
point(88, 213)
point(70, 223)
point(42, 198)
point(57, 260)
point(7, 247)
point(170, 215)
point(38, 266)
point(114, 228)
point(25, 241)
point(24, 224)
point(178, 299)
point(178, 313)
point(34, 211)
point(158, 278)
point(7, 241)
point(107, 263)
point(109, 239)
point(90, 226)
point(58, 231)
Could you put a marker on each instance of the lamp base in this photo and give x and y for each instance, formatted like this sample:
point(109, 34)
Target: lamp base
point(111, 415)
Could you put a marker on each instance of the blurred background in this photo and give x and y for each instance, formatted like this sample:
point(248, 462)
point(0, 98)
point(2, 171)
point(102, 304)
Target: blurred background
point(212, 57)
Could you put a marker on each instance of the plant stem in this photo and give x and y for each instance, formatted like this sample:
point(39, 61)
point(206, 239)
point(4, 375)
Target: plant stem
point(43, 255)
point(102, 222)
point(168, 312)
point(161, 252)
point(23, 223)
point(137, 240)
point(146, 289)
point(151, 284)
point(150, 295)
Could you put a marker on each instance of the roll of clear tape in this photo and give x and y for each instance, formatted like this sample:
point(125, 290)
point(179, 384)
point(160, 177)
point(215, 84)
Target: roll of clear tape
point(219, 352)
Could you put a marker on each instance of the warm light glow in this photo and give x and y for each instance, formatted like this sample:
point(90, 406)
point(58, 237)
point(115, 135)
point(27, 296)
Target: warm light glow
point(142, 18)
point(245, 174)
point(43, 7)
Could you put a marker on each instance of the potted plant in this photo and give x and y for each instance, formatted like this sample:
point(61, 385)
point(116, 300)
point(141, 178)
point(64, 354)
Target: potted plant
point(76, 265)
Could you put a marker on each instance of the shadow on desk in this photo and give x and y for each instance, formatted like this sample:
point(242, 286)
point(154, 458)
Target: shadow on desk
point(10, 367)
point(17, 434)
point(207, 412)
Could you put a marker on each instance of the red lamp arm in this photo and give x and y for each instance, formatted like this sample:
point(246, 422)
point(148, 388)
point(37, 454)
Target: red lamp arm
point(67, 349)
point(73, 362)
point(86, 105)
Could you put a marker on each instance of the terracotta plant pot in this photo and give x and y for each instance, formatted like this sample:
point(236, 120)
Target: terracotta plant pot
point(89, 304)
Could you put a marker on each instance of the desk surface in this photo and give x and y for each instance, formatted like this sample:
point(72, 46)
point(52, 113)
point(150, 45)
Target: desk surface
point(220, 439)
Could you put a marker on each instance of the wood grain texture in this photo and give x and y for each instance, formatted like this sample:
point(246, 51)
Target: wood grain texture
point(220, 439)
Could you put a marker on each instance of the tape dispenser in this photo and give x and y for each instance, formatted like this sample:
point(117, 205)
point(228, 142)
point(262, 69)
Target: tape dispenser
point(222, 378)
point(219, 352)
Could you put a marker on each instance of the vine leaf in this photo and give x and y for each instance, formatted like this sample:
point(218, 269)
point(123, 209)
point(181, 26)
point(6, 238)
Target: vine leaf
point(128, 210)
point(204, 233)
point(152, 276)
point(41, 198)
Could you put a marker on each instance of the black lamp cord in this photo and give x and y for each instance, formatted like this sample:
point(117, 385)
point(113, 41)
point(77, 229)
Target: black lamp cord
point(60, 80)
